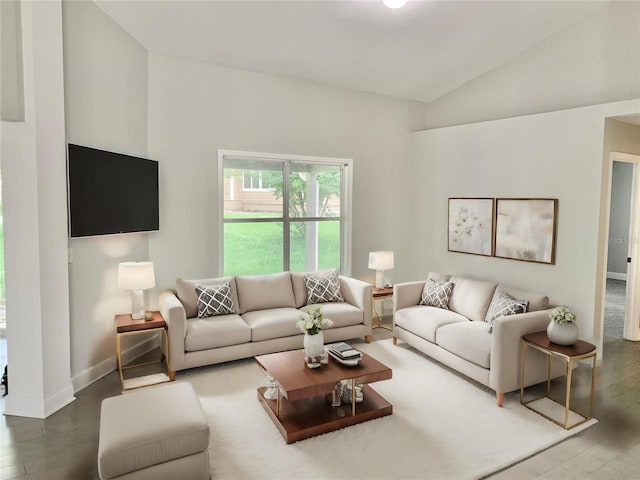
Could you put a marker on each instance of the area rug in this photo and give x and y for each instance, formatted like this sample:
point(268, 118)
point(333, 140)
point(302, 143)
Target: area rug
point(443, 427)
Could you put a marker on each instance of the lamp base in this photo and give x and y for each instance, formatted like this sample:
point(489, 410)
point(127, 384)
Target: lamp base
point(137, 304)
point(379, 278)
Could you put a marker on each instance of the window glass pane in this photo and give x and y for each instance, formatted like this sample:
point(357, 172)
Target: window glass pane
point(314, 190)
point(315, 245)
point(252, 248)
point(254, 192)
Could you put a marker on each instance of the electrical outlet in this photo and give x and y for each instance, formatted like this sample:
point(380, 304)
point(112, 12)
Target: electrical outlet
point(70, 255)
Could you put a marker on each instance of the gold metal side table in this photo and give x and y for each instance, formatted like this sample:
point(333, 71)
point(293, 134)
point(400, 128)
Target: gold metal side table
point(380, 294)
point(571, 354)
point(126, 326)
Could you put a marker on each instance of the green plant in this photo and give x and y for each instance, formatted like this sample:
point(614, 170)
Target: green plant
point(562, 314)
point(313, 322)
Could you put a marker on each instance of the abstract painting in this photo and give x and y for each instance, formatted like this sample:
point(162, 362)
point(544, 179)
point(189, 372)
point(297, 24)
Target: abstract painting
point(526, 229)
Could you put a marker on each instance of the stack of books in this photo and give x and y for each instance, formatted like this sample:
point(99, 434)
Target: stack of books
point(344, 353)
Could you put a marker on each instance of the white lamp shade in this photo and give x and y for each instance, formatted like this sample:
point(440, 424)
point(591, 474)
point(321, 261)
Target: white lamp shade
point(136, 275)
point(381, 260)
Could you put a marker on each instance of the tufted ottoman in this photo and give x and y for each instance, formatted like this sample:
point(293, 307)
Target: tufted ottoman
point(156, 433)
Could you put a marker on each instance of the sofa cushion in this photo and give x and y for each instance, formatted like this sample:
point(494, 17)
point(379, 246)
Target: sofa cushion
point(436, 294)
point(214, 300)
point(340, 313)
point(502, 305)
point(423, 321)
point(214, 332)
point(536, 301)
point(272, 323)
point(468, 340)
point(186, 292)
point(471, 298)
point(262, 292)
point(323, 287)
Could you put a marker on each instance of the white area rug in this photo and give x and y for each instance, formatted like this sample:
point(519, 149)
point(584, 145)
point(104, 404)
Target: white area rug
point(443, 427)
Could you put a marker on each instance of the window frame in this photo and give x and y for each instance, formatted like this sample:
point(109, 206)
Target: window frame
point(345, 201)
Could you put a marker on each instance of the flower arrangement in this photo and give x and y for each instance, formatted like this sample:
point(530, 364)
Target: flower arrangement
point(562, 315)
point(313, 322)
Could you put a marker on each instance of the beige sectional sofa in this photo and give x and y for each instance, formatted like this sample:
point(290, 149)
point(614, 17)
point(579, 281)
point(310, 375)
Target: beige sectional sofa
point(459, 335)
point(265, 311)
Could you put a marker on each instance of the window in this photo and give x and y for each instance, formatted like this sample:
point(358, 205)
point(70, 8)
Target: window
point(282, 212)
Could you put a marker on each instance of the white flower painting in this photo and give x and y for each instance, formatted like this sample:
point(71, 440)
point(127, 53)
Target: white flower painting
point(471, 225)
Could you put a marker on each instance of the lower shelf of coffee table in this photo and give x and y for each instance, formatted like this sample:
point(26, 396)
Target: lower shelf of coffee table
point(314, 416)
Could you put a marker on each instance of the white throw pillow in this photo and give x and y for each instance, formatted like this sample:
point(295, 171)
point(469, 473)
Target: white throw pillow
point(436, 294)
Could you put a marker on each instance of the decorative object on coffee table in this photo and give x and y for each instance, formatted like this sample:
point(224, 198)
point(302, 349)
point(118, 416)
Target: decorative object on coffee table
point(562, 330)
point(311, 325)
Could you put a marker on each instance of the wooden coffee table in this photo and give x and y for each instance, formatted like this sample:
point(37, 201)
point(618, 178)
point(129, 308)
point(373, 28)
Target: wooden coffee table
point(303, 407)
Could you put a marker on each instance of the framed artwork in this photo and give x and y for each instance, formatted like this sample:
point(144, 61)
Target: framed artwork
point(471, 225)
point(526, 229)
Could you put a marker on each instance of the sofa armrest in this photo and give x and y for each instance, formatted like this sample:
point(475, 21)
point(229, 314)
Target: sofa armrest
point(173, 312)
point(407, 294)
point(505, 348)
point(357, 293)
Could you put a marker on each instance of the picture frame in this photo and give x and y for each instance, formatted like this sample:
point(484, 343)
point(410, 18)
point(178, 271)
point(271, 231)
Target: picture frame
point(525, 229)
point(471, 226)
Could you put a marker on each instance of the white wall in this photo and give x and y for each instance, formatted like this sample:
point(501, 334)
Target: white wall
point(552, 155)
point(34, 203)
point(592, 62)
point(196, 109)
point(106, 108)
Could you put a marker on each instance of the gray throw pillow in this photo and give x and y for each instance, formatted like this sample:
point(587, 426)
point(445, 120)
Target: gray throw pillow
point(323, 287)
point(214, 300)
point(502, 305)
point(436, 294)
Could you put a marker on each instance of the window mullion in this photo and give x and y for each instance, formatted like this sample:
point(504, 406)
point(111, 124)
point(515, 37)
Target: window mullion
point(286, 220)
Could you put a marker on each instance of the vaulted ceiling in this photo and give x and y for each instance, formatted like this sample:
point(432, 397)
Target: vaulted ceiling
point(420, 52)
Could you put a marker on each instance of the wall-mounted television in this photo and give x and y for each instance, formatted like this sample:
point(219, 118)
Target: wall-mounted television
point(111, 192)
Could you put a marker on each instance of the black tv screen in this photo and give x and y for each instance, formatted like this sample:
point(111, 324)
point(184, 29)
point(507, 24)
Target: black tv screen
point(111, 192)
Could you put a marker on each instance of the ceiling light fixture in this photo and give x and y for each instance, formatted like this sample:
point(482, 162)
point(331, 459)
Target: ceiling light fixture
point(394, 3)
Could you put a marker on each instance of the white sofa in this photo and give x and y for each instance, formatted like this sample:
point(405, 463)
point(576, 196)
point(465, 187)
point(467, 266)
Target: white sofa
point(459, 336)
point(267, 308)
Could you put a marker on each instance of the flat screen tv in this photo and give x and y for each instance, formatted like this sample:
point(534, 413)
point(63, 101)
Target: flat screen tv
point(111, 192)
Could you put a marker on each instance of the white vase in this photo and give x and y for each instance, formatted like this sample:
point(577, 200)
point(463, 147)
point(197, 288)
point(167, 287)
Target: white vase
point(562, 333)
point(313, 347)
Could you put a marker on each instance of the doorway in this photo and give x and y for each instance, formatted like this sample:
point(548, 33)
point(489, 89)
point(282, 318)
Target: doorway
point(620, 312)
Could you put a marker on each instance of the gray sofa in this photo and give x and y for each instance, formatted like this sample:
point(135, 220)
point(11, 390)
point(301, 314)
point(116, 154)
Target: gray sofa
point(266, 308)
point(459, 335)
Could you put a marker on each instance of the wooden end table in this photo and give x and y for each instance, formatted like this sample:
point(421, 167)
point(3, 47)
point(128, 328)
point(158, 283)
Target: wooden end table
point(127, 326)
point(380, 294)
point(571, 354)
point(302, 408)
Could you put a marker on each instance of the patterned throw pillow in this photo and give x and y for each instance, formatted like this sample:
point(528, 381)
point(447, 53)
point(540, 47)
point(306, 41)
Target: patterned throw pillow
point(323, 287)
point(214, 300)
point(502, 305)
point(436, 294)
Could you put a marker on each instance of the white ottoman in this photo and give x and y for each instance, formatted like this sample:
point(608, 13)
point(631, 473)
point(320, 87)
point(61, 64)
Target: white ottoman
point(155, 433)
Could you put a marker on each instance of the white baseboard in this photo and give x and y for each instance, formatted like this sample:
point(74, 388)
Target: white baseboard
point(617, 276)
point(36, 407)
point(96, 372)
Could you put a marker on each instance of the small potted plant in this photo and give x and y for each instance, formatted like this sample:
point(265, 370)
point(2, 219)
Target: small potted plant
point(311, 325)
point(562, 329)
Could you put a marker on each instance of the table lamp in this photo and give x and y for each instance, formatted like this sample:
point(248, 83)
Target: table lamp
point(380, 261)
point(136, 276)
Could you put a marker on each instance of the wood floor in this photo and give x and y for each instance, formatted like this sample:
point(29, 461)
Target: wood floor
point(65, 445)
